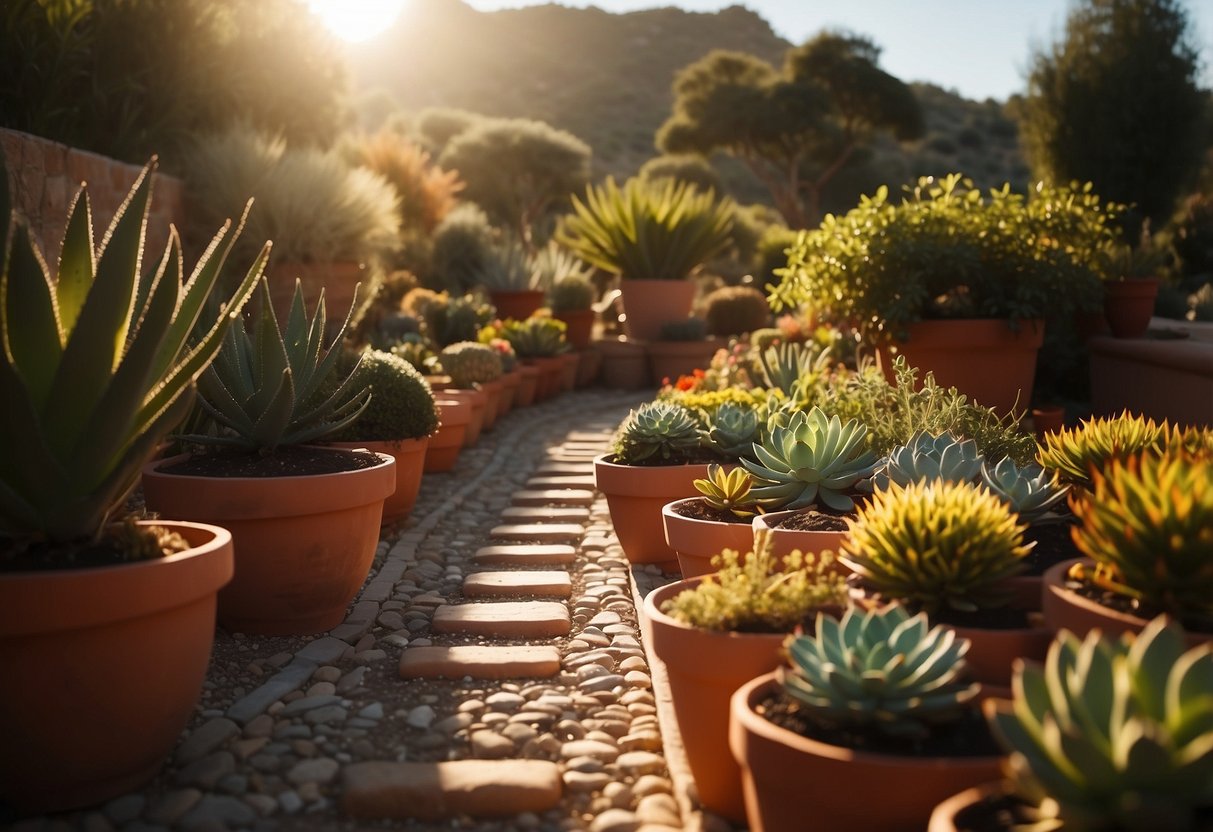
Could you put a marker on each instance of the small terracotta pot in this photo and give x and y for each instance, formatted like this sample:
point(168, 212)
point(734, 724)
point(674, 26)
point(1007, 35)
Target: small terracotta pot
point(447, 441)
point(102, 669)
point(1065, 609)
point(303, 544)
point(478, 402)
point(1046, 419)
point(704, 668)
point(650, 304)
point(510, 382)
point(493, 391)
point(783, 541)
point(528, 385)
point(788, 778)
point(671, 359)
point(568, 370)
point(579, 325)
point(696, 542)
point(553, 375)
point(624, 365)
point(1128, 305)
point(588, 367)
point(993, 652)
point(410, 461)
point(517, 304)
point(944, 818)
point(983, 358)
point(635, 496)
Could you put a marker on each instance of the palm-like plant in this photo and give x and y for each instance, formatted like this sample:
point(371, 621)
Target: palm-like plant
point(647, 231)
point(99, 362)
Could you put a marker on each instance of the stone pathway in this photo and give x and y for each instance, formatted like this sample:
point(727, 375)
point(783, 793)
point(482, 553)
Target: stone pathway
point(489, 675)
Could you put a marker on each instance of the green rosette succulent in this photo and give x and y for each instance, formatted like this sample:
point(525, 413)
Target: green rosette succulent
point(1029, 491)
point(733, 429)
point(883, 670)
point(813, 459)
point(936, 545)
point(1075, 453)
point(1112, 735)
point(932, 458)
point(728, 490)
point(659, 433)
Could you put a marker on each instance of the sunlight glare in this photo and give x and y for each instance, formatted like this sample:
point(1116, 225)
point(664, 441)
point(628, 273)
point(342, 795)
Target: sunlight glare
point(356, 20)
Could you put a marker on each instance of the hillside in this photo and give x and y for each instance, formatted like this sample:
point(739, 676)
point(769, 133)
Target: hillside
point(606, 78)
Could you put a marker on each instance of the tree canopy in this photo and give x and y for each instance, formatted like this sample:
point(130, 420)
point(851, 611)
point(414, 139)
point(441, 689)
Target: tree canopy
point(1116, 102)
point(795, 128)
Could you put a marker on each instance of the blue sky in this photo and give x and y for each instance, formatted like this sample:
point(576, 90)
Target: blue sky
point(979, 47)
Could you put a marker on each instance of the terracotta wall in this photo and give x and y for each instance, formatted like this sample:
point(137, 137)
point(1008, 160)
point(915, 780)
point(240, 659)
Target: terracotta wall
point(43, 177)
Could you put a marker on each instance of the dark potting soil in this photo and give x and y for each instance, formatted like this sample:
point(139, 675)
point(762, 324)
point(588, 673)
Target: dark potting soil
point(993, 813)
point(25, 555)
point(1131, 606)
point(294, 461)
point(657, 462)
point(700, 510)
point(994, 618)
point(1053, 545)
point(815, 521)
point(967, 737)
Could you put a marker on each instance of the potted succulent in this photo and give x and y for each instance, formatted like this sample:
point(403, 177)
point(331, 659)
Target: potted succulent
point(869, 728)
point(1073, 454)
point(654, 235)
point(304, 519)
point(681, 348)
point(657, 454)
point(716, 633)
point(472, 368)
point(736, 310)
point(571, 299)
point(399, 422)
point(1131, 285)
point(514, 283)
point(958, 282)
point(1108, 734)
point(106, 625)
point(539, 342)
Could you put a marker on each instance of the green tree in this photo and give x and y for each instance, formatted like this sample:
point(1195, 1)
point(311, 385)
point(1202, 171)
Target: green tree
point(694, 170)
point(1116, 103)
point(795, 129)
point(517, 170)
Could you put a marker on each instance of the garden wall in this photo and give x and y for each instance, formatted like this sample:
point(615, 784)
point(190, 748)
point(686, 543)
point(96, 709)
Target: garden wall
point(43, 177)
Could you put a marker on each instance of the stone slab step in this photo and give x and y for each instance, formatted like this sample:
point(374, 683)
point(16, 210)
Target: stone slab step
point(553, 496)
point(479, 662)
point(517, 619)
point(590, 436)
point(525, 554)
point(539, 532)
point(438, 791)
point(563, 468)
point(546, 514)
point(583, 481)
point(517, 584)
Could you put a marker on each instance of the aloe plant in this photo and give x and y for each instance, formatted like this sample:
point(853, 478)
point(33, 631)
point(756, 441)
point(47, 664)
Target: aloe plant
point(99, 361)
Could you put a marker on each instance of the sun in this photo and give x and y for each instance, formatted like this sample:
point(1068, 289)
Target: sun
point(357, 20)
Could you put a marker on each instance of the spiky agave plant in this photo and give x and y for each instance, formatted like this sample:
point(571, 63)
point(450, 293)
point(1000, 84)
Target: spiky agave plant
point(1075, 453)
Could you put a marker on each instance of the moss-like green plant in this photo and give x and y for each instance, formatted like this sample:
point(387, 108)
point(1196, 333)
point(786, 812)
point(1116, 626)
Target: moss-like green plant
point(1112, 735)
point(733, 428)
point(1029, 491)
point(469, 363)
point(759, 593)
point(571, 293)
point(728, 490)
point(735, 310)
point(1075, 452)
point(1148, 525)
point(936, 545)
point(402, 406)
point(659, 433)
point(932, 459)
point(881, 670)
point(813, 459)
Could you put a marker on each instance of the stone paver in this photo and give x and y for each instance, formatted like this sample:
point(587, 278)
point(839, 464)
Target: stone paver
point(435, 791)
point(517, 584)
point(563, 468)
point(546, 514)
point(520, 619)
point(539, 532)
point(479, 662)
point(578, 481)
point(553, 496)
point(525, 554)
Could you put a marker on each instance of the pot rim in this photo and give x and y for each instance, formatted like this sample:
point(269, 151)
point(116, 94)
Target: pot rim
point(153, 468)
point(665, 593)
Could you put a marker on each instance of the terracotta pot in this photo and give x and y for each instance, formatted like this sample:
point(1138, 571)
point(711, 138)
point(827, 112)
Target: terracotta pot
point(635, 496)
point(1046, 419)
point(671, 359)
point(983, 358)
point(579, 325)
point(993, 652)
point(944, 818)
point(1164, 379)
point(1128, 305)
point(783, 541)
point(444, 446)
point(102, 668)
point(303, 544)
point(1067, 610)
point(478, 401)
point(528, 385)
point(788, 778)
point(410, 461)
point(588, 367)
point(650, 304)
point(704, 668)
point(493, 391)
point(551, 375)
point(337, 279)
point(696, 542)
point(569, 362)
point(509, 390)
point(517, 304)
point(624, 365)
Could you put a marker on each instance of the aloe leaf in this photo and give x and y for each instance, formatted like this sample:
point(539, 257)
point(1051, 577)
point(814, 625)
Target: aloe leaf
point(32, 337)
point(76, 263)
point(273, 420)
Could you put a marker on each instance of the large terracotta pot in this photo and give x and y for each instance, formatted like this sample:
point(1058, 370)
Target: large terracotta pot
point(410, 461)
point(650, 304)
point(983, 358)
point(1128, 305)
point(579, 326)
point(102, 668)
point(528, 385)
point(337, 279)
point(945, 818)
point(1065, 609)
point(789, 779)
point(624, 365)
point(517, 304)
point(704, 668)
point(783, 541)
point(303, 544)
point(696, 542)
point(671, 359)
point(454, 415)
point(635, 496)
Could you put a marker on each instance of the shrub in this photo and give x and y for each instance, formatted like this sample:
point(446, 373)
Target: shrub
point(427, 193)
point(469, 363)
point(402, 406)
point(461, 248)
point(735, 310)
